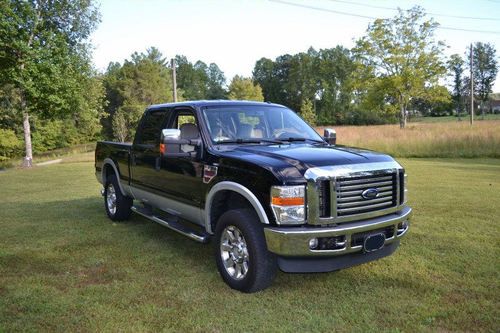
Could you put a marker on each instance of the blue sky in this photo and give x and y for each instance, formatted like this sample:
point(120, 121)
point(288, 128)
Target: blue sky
point(235, 34)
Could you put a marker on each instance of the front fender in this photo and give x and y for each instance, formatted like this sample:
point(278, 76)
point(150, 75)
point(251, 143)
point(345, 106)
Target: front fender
point(241, 190)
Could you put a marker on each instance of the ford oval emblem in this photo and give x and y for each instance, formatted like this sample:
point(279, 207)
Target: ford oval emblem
point(370, 193)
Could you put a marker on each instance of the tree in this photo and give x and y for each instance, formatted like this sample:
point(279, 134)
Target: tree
point(335, 69)
point(403, 56)
point(215, 83)
point(200, 81)
point(244, 89)
point(264, 74)
point(322, 76)
point(484, 69)
point(456, 66)
point(307, 112)
point(143, 80)
point(43, 54)
point(189, 79)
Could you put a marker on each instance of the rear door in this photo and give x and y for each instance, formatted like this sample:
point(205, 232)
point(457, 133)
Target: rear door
point(145, 159)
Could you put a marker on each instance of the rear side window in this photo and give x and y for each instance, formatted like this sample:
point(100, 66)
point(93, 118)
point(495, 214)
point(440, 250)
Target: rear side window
point(152, 125)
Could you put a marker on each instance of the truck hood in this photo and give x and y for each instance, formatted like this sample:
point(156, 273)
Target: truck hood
point(290, 161)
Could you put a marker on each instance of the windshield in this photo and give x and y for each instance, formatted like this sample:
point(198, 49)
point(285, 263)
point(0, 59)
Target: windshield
point(256, 123)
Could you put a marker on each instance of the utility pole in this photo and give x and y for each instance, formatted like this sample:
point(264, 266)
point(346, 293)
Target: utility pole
point(174, 80)
point(471, 89)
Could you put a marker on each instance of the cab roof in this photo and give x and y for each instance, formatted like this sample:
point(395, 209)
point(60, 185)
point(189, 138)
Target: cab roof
point(202, 103)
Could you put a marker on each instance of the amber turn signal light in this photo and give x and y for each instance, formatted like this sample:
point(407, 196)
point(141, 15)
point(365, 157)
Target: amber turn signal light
point(278, 201)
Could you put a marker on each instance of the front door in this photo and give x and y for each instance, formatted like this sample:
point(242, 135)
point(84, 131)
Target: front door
point(181, 177)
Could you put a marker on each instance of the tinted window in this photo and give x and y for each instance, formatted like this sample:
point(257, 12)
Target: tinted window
point(151, 127)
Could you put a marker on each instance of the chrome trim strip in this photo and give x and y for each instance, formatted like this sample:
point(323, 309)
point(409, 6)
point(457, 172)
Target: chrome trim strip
point(188, 212)
point(294, 241)
point(328, 172)
point(333, 197)
point(397, 188)
point(364, 185)
point(238, 188)
point(363, 181)
point(356, 217)
point(124, 187)
point(365, 204)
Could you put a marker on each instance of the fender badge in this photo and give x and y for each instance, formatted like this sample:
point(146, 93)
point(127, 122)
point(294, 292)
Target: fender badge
point(209, 172)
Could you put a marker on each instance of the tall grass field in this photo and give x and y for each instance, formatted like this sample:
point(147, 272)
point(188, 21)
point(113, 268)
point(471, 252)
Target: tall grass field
point(65, 267)
point(440, 139)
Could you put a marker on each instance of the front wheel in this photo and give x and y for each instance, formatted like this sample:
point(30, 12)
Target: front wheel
point(241, 253)
point(116, 204)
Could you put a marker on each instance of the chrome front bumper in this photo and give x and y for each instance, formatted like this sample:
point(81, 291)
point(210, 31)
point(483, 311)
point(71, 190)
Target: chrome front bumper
point(294, 241)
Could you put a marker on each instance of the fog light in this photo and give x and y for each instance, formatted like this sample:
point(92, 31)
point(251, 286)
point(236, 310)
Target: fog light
point(402, 227)
point(313, 243)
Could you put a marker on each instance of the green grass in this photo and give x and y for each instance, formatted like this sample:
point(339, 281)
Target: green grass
point(65, 267)
point(72, 153)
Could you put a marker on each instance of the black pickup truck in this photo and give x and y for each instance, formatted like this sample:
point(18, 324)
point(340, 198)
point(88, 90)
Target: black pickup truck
point(261, 183)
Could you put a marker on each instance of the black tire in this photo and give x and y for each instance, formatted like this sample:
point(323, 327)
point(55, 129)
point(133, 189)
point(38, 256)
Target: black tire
point(262, 265)
point(123, 203)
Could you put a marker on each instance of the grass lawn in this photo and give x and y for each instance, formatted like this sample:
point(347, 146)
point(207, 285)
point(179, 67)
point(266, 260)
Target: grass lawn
point(65, 267)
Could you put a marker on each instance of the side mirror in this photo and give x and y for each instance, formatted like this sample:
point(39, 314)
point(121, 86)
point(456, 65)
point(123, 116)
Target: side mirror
point(170, 133)
point(171, 144)
point(330, 136)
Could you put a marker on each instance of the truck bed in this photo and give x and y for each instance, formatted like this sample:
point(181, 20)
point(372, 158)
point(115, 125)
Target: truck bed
point(118, 152)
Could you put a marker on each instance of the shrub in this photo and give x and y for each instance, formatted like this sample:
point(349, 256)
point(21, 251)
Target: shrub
point(10, 145)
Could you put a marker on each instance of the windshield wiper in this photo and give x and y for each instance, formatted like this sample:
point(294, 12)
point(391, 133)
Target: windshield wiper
point(298, 139)
point(239, 140)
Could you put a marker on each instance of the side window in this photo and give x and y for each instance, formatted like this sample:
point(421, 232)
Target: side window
point(185, 119)
point(150, 130)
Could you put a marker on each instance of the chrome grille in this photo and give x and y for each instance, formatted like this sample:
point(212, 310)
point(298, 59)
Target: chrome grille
point(349, 193)
point(334, 192)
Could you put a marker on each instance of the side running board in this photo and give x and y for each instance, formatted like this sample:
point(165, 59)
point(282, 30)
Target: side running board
point(173, 224)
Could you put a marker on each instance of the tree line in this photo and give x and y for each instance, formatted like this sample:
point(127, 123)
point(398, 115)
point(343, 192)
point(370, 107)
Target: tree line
point(52, 97)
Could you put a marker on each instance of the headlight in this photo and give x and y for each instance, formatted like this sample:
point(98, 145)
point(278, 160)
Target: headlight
point(288, 204)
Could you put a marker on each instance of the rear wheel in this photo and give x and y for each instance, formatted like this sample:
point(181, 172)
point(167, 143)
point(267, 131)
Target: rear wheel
point(241, 253)
point(116, 204)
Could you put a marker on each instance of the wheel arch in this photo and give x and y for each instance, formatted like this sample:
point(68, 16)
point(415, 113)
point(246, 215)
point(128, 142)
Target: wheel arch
point(220, 192)
point(109, 167)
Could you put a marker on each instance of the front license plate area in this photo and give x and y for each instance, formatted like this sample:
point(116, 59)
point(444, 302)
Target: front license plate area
point(373, 242)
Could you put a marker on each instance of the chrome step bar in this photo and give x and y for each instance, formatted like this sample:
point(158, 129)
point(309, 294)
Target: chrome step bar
point(173, 224)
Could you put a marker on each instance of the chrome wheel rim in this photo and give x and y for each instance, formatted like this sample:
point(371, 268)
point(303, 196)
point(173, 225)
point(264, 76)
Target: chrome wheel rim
point(234, 252)
point(111, 199)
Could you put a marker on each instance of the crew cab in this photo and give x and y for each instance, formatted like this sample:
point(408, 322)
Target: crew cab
point(261, 184)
